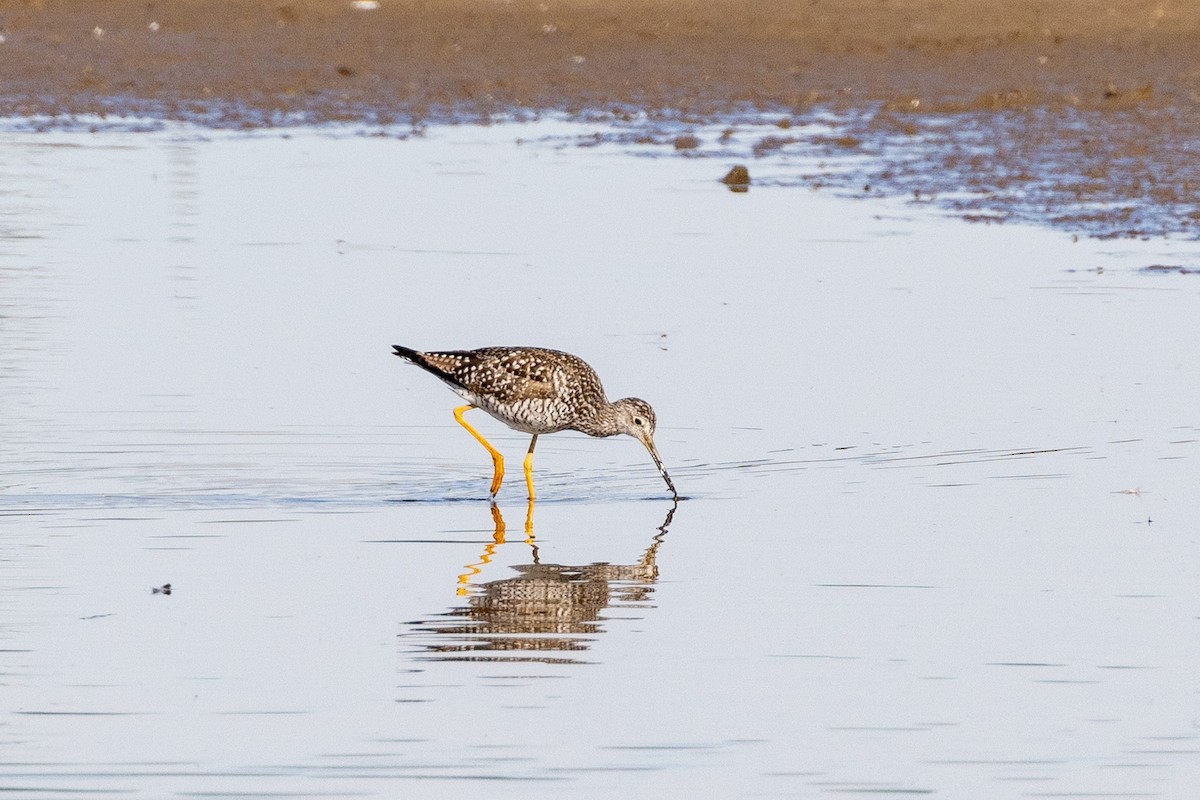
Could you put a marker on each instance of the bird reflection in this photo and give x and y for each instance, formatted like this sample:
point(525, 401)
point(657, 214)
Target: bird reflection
point(543, 613)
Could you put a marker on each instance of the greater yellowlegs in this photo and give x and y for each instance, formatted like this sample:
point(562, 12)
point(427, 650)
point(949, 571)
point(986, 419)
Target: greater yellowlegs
point(534, 390)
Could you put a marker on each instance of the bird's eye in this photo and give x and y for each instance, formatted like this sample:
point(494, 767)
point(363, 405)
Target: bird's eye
point(638, 421)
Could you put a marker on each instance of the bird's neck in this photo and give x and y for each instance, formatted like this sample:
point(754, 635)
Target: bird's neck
point(600, 421)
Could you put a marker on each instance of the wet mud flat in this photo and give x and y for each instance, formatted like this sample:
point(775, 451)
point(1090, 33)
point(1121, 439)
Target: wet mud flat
point(1078, 113)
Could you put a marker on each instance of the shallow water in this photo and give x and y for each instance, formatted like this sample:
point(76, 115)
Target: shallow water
point(938, 534)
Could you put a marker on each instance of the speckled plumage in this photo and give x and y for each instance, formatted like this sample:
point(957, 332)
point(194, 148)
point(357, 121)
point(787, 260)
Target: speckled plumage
point(536, 390)
point(530, 389)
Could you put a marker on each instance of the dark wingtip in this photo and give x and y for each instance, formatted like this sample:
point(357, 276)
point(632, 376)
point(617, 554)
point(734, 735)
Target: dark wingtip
point(403, 352)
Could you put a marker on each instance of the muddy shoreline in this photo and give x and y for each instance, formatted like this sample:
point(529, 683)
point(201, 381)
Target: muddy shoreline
point(1079, 113)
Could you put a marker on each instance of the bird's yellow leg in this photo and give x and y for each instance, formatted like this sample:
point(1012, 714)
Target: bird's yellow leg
point(497, 459)
point(529, 470)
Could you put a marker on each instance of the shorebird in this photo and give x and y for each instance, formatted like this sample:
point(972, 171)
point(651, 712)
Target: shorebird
point(536, 391)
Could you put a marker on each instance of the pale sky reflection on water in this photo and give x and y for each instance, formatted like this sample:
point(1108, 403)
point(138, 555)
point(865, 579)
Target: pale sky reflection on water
point(939, 535)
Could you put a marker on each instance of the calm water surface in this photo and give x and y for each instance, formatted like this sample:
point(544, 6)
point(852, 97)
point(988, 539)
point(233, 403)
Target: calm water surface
point(940, 534)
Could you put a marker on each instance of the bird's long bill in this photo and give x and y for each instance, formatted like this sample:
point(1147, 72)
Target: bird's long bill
point(658, 463)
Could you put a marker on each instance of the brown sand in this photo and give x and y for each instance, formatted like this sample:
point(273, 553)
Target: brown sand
point(1121, 74)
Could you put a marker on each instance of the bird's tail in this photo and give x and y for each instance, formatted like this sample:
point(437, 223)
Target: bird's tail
point(435, 363)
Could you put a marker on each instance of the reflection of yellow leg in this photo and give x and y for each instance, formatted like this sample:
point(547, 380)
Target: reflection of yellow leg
point(529, 469)
point(529, 531)
point(464, 579)
point(529, 522)
point(498, 536)
point(497, 459)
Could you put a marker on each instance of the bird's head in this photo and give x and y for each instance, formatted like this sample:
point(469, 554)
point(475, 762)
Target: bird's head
point(636, 418)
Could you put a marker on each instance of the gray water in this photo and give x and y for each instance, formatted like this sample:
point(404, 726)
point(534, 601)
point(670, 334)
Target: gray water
point(939, 534)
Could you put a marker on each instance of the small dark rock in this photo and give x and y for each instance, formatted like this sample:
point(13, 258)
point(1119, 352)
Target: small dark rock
point(686, 142)
point(737, 179)
point(769, 144)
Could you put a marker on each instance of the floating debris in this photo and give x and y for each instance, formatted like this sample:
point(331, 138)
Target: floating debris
point(1169, 269)
point(164, 589)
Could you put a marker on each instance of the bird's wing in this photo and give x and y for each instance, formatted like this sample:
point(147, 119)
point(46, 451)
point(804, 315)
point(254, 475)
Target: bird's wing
point(509, 374)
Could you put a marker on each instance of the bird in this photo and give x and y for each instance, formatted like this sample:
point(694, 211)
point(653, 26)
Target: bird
point(536, 390)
